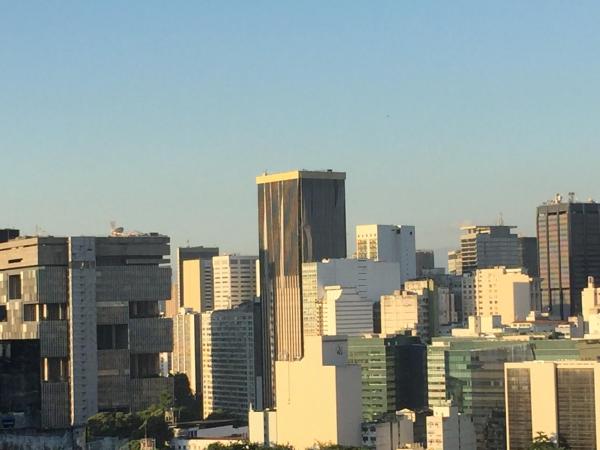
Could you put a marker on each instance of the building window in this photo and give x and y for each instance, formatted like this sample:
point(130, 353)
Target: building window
point(14, 287)
point(3, 316)
point(30, 313)
point(111, 337)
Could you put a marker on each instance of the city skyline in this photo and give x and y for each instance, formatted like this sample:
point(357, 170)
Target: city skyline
point(459, 110)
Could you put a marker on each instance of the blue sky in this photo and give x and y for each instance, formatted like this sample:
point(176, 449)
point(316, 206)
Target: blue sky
point(160, 114)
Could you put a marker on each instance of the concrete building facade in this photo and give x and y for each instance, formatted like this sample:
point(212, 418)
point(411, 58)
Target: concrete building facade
point(194, 269)
point(81, 331)
point(234, 280)
point(345, 313)
point(484, 246)
point(370, 279)
point(455, 262)
point(388, 243)
point(318, 399)
point(558, 398)
point(187, 347)
point(405, 311)
point(447, 429)
point(508, 293)
point(228, 379)
point(425, 261)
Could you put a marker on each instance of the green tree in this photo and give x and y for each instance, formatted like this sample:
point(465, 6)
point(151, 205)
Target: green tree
point(149, 422)
point(188, 407)
point(543, 442)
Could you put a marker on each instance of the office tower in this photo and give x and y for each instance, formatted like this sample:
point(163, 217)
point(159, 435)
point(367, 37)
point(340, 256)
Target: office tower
point(6, 234)
point(405, 311)
point(569, 251)
point(529, 255)
point(301, 218)
point(388, 243)
point(228, 380)
point(81, 330)
point(447, 429)
point(345, 313)
point(195, 274)
point(470, 374)
point(558, 398)
point(499, 292)
point(318, 399)
point(424, 262)
point(370, 279)
point(394, 373)
point(234, 280)
point(455, 262)
point(489, 246)
point(187, 348)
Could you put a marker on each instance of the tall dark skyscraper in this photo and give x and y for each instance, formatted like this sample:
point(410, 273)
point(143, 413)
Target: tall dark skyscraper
point(569, 251)
point(301, 218)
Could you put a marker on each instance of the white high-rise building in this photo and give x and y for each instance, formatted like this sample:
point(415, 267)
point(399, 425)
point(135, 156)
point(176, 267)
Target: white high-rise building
point(389, 243)
point(370, 280)
point(228, 382)
point(405, 311)
point(498, 291)
point(447, 429)
point(345, 312)
point(187, 349)
point(234, 280)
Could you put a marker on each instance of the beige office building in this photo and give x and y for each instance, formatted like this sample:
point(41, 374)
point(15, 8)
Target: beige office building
point(187, 349)
point(389, 243)
point(558, 398)
point(196, 277)
point(405, 311)
point(234, 280)
point(318, 399)
point(498, 291)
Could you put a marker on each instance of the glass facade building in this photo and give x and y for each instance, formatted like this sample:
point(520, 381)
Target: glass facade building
point(393, 372)
point(301, 218)
point(569, 251)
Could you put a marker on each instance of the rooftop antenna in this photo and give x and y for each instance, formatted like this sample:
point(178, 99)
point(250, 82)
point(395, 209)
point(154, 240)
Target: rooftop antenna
point(500, 219)
point(39, 231)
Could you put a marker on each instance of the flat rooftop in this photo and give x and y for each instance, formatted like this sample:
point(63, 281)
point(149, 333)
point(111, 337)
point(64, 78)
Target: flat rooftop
point(297, 174)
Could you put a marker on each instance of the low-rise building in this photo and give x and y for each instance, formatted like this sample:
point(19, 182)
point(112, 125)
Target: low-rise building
point(318, 399)
point(447, 429)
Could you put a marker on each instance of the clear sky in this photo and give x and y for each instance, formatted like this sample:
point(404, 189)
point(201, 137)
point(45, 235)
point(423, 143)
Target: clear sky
point(159, 115)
